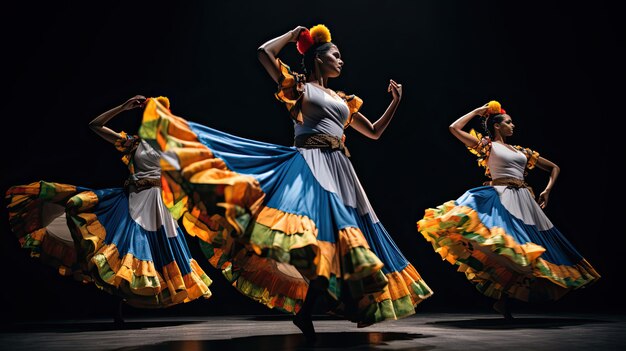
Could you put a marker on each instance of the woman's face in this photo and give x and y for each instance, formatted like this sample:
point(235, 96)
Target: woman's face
point(506, 126)
point(330, 62)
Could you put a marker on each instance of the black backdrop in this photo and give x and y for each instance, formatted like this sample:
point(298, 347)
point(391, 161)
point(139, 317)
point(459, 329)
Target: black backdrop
point(555, 68)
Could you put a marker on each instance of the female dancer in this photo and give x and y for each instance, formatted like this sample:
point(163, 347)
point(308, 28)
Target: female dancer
point(498, 234)
point(123, 239)
point(289, 224)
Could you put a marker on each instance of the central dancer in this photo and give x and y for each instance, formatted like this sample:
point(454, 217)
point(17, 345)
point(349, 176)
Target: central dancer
point(288, 225)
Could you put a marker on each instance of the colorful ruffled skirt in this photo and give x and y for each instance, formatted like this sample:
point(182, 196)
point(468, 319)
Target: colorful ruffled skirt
point(273, 218)
point(127, 244)
point(504, 243)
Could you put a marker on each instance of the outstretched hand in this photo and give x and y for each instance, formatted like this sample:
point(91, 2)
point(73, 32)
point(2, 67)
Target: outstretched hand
point(134, 102)
point(395, 89)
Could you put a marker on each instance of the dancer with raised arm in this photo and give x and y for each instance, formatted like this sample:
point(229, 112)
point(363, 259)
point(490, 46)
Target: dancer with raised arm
point(290, 224)
point(498, 234)
point(122, 239)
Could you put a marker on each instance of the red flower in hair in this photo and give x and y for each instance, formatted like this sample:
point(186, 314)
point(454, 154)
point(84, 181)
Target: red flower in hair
point(502, 111)
point(304, 41)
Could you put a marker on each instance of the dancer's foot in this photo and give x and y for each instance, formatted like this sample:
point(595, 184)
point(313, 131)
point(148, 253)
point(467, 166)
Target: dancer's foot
point(501, 306)
point(118, 322)
point(363, 324)
point(118, 319)
point(305, 324)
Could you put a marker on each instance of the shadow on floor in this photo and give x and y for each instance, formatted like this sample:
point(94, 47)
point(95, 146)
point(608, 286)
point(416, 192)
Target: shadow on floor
point(325, 341)
point(516, 323)
point(289, 317)
point(78, 326)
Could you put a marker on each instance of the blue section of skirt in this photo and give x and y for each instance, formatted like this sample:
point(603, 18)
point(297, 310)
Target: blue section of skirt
point(129, 237)
point(290, 186)
point(485, 200)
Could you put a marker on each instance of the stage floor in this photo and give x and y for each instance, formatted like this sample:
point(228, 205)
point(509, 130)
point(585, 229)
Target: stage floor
point(423, 331)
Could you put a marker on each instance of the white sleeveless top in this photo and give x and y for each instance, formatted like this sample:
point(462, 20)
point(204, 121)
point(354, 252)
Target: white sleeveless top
point(322, 112)
point(504, 162)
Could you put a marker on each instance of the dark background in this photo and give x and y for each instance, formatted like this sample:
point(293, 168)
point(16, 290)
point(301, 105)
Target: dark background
point(556, 68)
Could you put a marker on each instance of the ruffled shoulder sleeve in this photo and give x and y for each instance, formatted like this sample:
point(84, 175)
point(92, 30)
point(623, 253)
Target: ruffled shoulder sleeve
point(127, 145)
point(290, 89)
point(482, 150)
point(354, 105)
point(531, 155)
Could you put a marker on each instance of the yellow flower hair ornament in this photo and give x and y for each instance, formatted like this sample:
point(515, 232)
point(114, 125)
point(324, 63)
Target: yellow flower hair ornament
point(317, 35)
point(494, 108)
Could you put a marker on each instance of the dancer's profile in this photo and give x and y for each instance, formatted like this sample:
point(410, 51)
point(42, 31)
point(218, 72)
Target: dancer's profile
point(288, 224)
point(498, 234)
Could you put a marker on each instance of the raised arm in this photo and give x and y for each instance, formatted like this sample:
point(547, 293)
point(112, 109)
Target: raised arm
point(456, 128)
point(554, 170)
point(268, 52)
point(376, 129)
point(98, 123)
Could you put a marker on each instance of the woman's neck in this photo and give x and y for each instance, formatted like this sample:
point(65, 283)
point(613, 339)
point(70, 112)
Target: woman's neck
point(314, 78)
